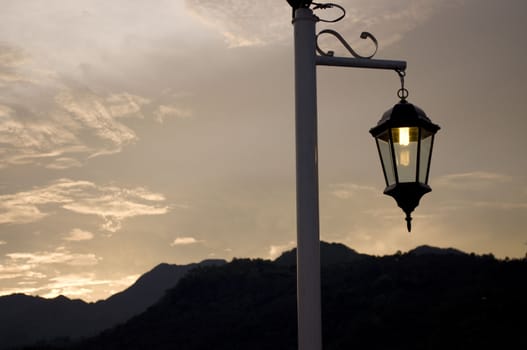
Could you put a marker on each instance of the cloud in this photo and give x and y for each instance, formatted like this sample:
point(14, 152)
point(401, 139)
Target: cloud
point(184, 241)
point(501, 205)
point(114, 208)
point(15, 270)
point(64, 163)
point(66, 123)
point(58, 111)
point(72, 124)
point(26, 138)
point(100, 116)
point(25, 268)
point(389, 21)
point(250, 23)
point(73, 285)
point(125, 104)
point(3, 242)
point(244, 23)
point(475, 180)
point(480, 192)
point(79, 235)
point(81, 285)
point(349, 190)
point(57, 272)
point(59, 256)
point(92, 24)
point(10, 59)
point(113, 204)
point(19, 290)
point(67, 129)
point(163, 112)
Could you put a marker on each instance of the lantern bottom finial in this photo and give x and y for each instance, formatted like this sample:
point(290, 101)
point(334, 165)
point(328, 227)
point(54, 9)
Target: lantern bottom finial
point(407, 195)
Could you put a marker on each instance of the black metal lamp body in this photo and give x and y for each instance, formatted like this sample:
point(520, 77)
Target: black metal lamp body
point(405, 137)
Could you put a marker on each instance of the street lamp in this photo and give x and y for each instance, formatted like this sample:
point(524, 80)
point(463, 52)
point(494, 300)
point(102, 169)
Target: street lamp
point(404, 139)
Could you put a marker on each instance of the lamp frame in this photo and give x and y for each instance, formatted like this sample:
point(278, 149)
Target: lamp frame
point(407, 194)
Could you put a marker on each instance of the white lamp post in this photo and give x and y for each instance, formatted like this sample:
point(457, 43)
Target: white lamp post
point(308, 240)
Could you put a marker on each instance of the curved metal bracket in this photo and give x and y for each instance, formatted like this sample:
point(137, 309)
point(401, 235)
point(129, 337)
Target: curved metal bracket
point(363, 35)
point(329, 6)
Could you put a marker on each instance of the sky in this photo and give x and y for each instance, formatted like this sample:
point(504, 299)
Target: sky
point(135, 132)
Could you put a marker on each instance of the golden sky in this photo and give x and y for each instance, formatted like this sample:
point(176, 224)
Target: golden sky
point(138, 132)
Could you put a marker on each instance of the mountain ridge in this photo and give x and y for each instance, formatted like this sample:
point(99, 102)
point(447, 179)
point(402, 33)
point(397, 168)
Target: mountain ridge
point(330, 253)
point(427, 250)
point(243, 282)
point(401, 301)
point(27, 319)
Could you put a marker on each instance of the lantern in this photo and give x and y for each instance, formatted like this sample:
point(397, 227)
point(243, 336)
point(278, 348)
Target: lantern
point(405, 137)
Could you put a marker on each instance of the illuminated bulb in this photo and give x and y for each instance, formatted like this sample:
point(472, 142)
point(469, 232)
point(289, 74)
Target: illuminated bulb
point(404, 136)
point(404, 157)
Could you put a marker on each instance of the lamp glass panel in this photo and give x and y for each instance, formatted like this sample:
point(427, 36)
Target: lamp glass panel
point(405, 140)
point(383, 143)
point(424, 158)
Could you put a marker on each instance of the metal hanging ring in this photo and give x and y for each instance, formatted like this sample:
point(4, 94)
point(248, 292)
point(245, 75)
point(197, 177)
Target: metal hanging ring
point(402, 93)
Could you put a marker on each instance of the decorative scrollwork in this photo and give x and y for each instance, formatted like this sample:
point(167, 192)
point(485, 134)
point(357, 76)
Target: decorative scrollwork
point(364, 35)
point(325, 6)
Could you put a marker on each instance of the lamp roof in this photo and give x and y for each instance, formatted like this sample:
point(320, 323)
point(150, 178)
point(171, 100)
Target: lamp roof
point(404, 114)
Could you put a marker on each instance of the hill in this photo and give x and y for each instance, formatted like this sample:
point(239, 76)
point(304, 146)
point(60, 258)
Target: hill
point(428, 250)
point(26, 319)
point(404, 301)
point(330, 253)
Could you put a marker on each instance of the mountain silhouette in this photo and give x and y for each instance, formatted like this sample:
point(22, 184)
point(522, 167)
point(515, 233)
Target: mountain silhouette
point(427, 250)
point(401, 301)
point(27, 319)
point(330, 253)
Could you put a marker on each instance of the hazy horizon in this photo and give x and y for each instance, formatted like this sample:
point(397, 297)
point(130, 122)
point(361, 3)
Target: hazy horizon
point(275, 254)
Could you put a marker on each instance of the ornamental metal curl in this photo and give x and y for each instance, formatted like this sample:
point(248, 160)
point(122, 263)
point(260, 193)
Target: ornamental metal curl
point(363, 35)
point(329, 6)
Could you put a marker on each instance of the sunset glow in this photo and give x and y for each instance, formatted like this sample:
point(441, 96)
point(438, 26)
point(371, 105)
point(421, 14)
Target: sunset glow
point(136, 132)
